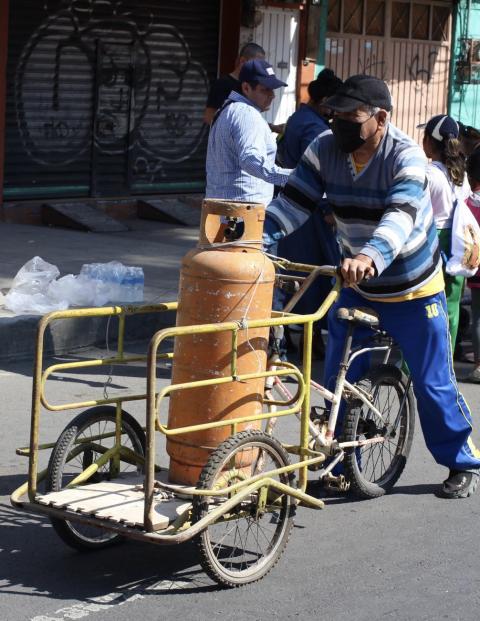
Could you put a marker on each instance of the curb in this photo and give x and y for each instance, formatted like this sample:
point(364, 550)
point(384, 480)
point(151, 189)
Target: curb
point(18, 334)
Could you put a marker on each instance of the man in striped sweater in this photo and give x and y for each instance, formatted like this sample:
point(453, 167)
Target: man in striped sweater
point(374, 177)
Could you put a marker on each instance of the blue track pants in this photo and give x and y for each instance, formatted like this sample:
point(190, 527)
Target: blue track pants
point(420, 328)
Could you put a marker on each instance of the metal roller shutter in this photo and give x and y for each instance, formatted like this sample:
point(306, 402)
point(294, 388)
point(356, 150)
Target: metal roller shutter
point(106, 97)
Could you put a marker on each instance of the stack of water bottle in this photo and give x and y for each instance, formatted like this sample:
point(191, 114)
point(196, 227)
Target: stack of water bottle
point(113, 282)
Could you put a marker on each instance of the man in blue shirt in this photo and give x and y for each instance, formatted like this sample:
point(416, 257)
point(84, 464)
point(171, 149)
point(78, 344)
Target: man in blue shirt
point(241, 148)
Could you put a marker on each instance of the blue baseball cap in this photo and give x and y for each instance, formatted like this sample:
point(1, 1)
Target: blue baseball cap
point(258, 70)
point(441, 126)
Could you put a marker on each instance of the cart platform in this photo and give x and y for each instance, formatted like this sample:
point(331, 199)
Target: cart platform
point(120, 502)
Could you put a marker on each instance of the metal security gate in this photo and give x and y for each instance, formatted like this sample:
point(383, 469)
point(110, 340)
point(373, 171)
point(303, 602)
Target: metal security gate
point(408, 44)
point(107, 98)
point(112, 135)
point(278, 34)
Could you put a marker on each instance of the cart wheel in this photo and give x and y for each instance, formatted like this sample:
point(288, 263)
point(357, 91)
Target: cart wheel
point(75, 450)
point(242, 546)
point(375, 468)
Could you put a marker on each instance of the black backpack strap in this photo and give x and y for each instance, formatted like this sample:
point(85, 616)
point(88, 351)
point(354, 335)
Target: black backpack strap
point(220, 110)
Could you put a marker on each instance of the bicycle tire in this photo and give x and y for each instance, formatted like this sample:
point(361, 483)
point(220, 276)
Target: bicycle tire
point(77, 535)
point(228, 564)
point(366, 467)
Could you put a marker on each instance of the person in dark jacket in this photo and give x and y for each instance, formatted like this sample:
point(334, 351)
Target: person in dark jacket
point(225, 84)
point(315, 241)
point(310, 120)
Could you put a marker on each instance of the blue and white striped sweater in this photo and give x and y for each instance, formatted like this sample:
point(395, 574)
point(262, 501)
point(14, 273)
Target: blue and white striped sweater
point(383, 212)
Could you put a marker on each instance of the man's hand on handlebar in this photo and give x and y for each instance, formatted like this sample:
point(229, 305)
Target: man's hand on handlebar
point(359, 268)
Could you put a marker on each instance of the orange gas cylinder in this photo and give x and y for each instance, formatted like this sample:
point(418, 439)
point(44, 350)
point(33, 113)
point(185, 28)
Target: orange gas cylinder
point(226, 278)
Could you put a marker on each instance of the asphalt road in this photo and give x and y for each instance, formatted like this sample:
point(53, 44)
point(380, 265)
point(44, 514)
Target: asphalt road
point(406, 556)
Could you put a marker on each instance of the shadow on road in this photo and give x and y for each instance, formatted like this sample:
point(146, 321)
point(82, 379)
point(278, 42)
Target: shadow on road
point(36, 563)
point(316, 489)
point(416, 490)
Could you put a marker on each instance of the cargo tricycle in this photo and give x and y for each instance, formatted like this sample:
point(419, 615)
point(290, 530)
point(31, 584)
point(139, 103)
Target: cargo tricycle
point(233, 484)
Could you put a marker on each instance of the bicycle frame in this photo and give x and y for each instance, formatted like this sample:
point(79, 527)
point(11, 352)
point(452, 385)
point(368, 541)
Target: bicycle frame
point(342, 388)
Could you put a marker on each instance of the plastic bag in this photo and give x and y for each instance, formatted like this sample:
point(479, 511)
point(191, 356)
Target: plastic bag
point(35, 289)
point(29, 290)
point(465, 257)
point(72, 289)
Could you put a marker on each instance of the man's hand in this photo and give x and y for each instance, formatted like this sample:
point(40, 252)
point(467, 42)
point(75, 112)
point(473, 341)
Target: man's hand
point(359, 268)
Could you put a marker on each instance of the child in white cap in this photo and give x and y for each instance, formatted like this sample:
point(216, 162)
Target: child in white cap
point(447, 183)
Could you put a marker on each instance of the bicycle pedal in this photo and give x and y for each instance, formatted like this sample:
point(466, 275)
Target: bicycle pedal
point(335, 483)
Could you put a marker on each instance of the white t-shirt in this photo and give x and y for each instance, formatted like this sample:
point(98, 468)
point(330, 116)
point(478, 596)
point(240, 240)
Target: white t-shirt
point(441, 194)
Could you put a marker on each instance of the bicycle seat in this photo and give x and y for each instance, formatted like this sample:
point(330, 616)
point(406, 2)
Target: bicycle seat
point(363, 316)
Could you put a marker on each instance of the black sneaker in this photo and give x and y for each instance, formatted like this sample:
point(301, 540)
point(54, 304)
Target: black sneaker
point(460, 484)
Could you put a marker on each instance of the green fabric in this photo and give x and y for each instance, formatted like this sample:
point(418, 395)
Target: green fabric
point(453, 286)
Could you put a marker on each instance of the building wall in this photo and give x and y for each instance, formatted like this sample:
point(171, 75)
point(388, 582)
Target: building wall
point(407, 44)
point(106, 99)
point(464, 103)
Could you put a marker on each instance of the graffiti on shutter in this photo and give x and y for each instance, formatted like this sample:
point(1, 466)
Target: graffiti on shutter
point(112, 91)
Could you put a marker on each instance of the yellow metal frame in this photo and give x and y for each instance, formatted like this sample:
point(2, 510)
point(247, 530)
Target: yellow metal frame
point(40, 377)
point(154, 399)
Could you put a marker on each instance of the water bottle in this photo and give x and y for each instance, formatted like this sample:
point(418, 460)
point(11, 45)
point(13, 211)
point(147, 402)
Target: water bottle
point(114, 273)
point(126, 286)
point(95, 277)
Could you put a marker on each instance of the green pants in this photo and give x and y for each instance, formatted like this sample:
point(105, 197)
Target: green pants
point(453, 287)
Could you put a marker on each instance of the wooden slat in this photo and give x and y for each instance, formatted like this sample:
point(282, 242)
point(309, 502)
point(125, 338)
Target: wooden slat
point(118, 502)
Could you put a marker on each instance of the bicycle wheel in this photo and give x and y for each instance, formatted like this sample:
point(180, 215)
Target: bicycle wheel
point(373, 469)
point(80, 444)
point(242, 546)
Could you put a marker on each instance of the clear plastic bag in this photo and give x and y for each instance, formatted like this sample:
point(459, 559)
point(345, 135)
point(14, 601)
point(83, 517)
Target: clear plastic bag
point(72, 289)
point(35, 289)
point(29, 290)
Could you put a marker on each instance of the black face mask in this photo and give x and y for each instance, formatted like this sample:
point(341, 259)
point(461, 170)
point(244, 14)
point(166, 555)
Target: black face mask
point(347, 134)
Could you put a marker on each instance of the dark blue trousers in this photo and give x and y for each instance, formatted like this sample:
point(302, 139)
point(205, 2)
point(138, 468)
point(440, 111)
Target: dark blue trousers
point(420, 327)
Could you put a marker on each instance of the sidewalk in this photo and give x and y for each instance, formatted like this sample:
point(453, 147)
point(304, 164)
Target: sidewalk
point(155, 246)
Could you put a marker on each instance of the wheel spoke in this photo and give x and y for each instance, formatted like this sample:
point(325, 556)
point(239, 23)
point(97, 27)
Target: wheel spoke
point(245, 551)
point(374, 467)
point(83, 440)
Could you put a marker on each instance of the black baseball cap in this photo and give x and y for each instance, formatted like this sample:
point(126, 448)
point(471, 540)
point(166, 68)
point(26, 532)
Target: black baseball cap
point(361, 90)
point(258, 70)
